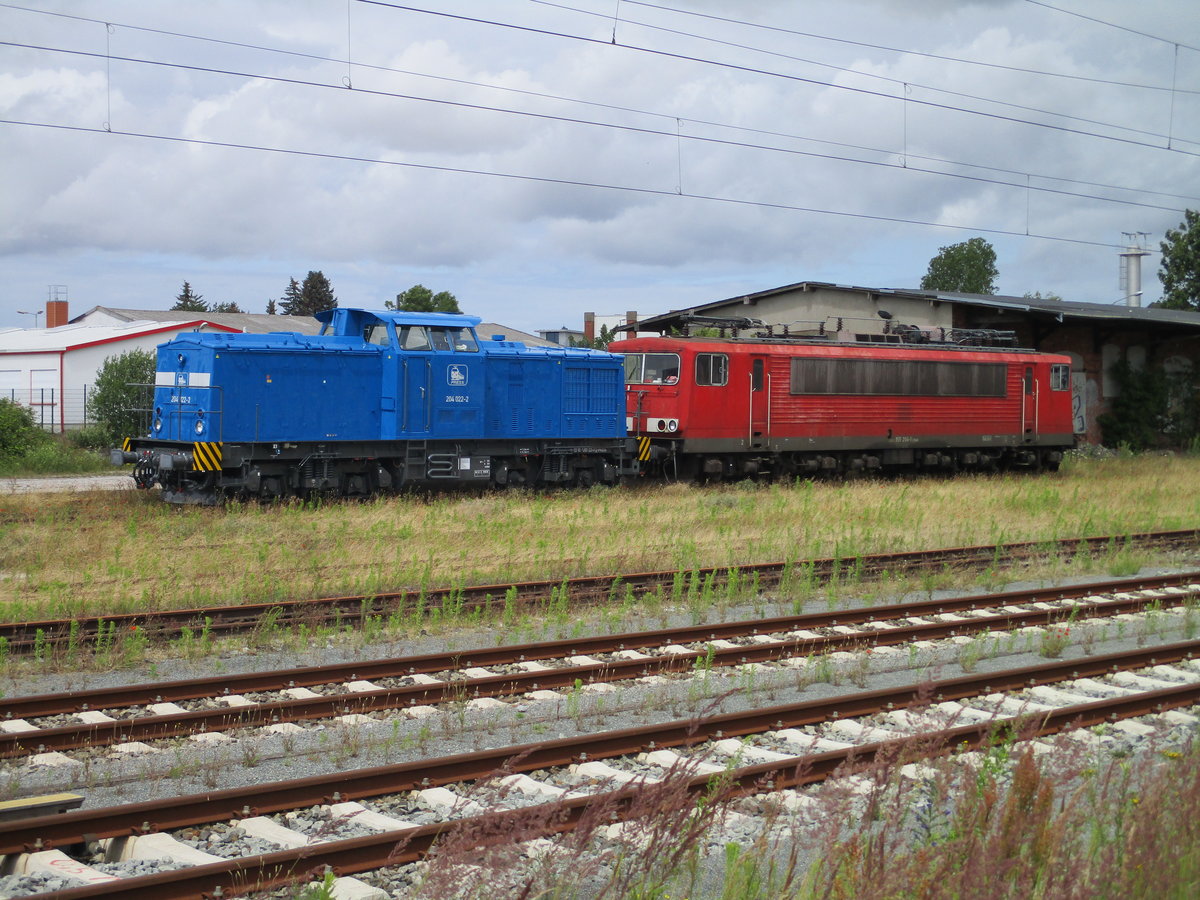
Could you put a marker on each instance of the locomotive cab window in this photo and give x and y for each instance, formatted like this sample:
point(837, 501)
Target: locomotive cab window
point(651, 368)
point(441, 341)
point(377, 334)
point(712, 369)
point(462, 340)
point(413, 337)
point(1060, 377)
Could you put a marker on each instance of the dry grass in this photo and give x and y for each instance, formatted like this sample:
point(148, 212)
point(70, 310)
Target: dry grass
point(97, 553)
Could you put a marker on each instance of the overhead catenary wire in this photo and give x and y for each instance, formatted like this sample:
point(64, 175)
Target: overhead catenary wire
point(516, 176)
point(1125, 28)
point(754, 70)
point(863, 74)
point(675, 132)
point(670, 117)
point(657, 132)
point(908, 51)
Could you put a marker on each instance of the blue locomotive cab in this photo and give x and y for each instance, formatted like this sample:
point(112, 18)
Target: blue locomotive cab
point(432, 372)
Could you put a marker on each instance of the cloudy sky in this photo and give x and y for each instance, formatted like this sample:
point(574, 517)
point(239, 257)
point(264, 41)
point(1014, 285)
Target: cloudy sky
point(543, 159)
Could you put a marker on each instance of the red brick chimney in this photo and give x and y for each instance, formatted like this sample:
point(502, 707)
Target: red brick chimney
point(589, 326)
point(56, 313)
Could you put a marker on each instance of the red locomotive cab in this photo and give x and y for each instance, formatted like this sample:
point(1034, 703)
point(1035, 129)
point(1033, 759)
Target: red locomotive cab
point(677, 389)
point(654, 391)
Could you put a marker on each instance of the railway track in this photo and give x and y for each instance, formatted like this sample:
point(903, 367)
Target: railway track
point(773, 752)
point(79, 720)
point(65, 636)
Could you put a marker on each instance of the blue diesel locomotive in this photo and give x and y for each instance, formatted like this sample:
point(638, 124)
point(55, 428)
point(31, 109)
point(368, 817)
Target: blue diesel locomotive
point(379, 401)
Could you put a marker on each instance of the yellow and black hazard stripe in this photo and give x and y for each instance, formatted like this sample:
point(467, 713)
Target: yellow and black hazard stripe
point(206, 456)
point(643, 448)
point(127, 444)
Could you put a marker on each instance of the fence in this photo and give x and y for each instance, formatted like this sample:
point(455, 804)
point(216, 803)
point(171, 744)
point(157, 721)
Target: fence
point(55, 410)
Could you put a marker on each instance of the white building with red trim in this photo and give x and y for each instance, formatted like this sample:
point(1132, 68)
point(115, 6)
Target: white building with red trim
point(51, 370)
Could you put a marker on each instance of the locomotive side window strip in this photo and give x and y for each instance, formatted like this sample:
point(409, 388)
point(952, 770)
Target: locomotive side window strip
point(907, 378)
point(712, 369)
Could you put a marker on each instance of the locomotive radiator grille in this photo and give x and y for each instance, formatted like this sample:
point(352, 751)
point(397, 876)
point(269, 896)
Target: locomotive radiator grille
point(206, 456)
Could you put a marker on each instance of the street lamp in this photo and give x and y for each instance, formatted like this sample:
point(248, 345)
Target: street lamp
point(35, 314)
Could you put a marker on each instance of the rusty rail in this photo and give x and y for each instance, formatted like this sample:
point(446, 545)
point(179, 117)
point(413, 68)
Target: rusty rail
point(85, 633)
point(158, 727)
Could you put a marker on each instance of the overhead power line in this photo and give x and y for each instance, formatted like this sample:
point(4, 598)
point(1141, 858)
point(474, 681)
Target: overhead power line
point(656, 132)
point(907, 51)
point(929, 104)
point(542, 179)
point(620, 108)
point(1145, 34)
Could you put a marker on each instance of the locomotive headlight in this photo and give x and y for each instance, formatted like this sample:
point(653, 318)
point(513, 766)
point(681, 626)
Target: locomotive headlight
point(199, 426)
point(158, 424)
point(672, 425)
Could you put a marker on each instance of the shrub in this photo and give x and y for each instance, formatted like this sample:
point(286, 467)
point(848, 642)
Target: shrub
point(19, 433)
point(116, 402)
point(90, 437)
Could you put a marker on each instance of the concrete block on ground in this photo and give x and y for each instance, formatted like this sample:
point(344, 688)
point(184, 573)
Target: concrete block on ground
point(56, 862)
point(267, 829)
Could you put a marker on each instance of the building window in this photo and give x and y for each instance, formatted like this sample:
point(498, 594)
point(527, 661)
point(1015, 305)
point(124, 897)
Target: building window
point(712, 369)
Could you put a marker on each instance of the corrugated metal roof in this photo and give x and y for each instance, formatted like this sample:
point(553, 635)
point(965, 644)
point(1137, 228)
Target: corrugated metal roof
point(1059, 309)
point(74, 336)
point(253, 323)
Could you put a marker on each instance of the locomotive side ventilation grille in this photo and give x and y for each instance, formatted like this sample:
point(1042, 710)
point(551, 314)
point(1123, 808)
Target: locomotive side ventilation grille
point(590, 390)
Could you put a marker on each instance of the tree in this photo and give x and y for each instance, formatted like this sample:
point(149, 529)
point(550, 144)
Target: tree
point(316, 294)
point(271, 308)
point(190, 302)
point(600, 342)
point(968, 268)
point(419, 298)
point(311, 297)
point(291, 298)
point(1180, 268)
point(118, 401)
point(230, 307)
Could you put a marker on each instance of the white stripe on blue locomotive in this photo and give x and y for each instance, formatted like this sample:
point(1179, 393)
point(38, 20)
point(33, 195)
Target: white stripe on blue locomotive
point(182, 379)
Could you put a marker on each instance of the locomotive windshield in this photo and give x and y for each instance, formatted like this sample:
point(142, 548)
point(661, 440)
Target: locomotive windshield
point(419, 337)
point(651, 368)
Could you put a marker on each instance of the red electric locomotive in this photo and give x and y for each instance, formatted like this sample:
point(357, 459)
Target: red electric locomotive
point(732, 407)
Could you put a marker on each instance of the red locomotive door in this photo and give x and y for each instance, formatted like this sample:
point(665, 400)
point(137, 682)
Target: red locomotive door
point(1029, 407)
point(760, 400)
